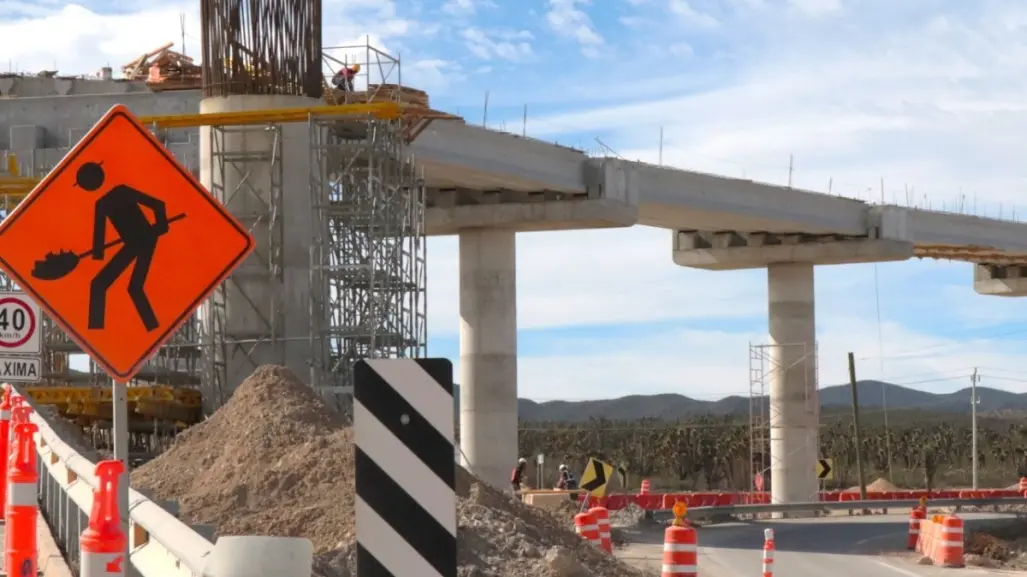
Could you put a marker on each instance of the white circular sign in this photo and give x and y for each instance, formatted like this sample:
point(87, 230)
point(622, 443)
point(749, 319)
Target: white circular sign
point(19, 324)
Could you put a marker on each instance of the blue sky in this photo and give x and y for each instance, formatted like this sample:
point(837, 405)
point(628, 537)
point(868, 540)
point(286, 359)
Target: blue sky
point(917, 102)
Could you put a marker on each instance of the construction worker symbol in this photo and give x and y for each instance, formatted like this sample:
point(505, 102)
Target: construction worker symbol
point(120, 206)
point(120, 243)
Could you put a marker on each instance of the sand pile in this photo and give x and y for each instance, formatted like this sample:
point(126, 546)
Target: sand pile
point(213, 469)
point(881, 485)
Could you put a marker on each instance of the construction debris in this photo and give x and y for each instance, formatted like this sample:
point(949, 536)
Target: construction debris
point(276, 460)
point(164, 69)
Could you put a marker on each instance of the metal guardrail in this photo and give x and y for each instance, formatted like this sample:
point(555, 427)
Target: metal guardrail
point(160, 544)
point(733, 510)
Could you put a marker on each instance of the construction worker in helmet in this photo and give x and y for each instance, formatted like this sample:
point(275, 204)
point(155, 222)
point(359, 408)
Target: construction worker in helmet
point(567, 481)
point(517, 476)
point(343, 79)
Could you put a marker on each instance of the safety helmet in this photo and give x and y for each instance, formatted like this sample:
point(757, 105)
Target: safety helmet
point(522, 460)
point(563, 467)
point(356, 68)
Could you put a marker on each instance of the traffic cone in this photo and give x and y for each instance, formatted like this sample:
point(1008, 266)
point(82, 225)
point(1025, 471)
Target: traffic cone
point(585, 525)
point(19, 414)
point(22, 504)
point(103, 542)
point(768, 553)
point(915, 516)
point(680, 552)
point(5, 441)
point(647, 486)
point(602, 517)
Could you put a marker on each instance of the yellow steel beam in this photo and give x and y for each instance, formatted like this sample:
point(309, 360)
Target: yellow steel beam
point(382, 110)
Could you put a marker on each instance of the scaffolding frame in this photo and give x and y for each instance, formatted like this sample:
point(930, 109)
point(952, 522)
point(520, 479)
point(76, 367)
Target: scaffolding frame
point(762, 367)
point(262, 218)
point(368, 249)
point(375, 65)
point(368, 253)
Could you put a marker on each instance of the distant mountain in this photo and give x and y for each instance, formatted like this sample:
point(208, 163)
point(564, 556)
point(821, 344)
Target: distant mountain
point(872, 396)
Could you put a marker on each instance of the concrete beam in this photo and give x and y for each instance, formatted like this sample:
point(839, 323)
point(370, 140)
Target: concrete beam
point(736, 251)
point(458, 155)
point(1000, 281)
point(609, 200)
point(926, 227)
point(679, 199)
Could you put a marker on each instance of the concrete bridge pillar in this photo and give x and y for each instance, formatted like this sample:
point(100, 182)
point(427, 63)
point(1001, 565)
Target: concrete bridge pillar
point(488, 353)
point(794, 398)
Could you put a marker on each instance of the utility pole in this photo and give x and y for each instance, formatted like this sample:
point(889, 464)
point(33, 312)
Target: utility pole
point(974, 379)
point(857, 438)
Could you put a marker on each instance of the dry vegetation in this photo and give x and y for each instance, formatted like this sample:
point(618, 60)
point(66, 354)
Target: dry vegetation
point(711, 452)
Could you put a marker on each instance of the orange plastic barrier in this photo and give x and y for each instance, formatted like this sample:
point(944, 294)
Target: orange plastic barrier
point(680, 552)
point(585, 525)
point(1023, 483)
point(768, 553)
point(22, 503)
point(602, 519)
point(103, 542)
point(941, 540)
point(19, 414)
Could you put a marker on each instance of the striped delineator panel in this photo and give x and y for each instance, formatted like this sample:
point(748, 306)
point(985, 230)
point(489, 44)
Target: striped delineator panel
point(405, 472)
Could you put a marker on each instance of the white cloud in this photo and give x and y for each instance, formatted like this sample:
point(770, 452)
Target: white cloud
point(816, 8)
point(931, 101)
point(713, 364)
point(567, 18)
point(514, 46)
point(690, 15)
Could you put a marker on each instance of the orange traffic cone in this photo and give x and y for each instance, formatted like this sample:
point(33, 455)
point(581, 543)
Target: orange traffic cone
point(680, 552)
point(22, 504)
point(103, 542)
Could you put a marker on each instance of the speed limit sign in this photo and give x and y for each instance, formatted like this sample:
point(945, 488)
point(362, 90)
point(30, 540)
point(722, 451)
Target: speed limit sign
point(19, 325)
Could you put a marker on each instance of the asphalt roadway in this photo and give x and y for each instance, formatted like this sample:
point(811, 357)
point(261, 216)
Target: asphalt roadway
point(839, 546)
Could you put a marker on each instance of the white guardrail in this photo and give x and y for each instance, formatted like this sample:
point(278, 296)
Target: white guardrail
point(160, 544)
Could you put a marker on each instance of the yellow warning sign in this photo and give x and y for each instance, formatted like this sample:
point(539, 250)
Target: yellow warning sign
point(596, 476)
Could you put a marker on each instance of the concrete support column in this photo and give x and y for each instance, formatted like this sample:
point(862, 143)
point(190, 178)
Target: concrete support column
point(262, 176)
point(794, 400)
point(488, 353)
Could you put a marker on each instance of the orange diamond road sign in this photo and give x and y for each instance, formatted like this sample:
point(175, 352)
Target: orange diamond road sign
point(119, 244)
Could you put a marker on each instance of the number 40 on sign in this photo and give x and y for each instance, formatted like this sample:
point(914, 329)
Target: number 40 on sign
point(19, 325)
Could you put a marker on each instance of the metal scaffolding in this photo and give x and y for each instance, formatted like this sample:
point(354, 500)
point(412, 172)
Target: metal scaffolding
point(368, 249)
point(764, 366)
point(248, 181)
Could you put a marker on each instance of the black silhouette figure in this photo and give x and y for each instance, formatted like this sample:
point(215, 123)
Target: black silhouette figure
point(122, 206)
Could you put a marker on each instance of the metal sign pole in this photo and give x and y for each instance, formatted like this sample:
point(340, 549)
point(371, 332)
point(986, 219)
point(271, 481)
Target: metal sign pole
point(119, 408)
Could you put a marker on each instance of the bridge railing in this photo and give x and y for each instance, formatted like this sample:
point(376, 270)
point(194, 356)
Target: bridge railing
point(160, 544)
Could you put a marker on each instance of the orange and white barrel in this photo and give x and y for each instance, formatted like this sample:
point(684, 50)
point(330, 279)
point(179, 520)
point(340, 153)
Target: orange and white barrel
point(949, 549)
point(680, 552)
point(1023, 483)
point(586, 526)
point(915, 517)
point(648, 486)
point(602, 518)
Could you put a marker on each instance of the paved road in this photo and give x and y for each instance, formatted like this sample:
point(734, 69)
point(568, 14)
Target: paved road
point(835, 546)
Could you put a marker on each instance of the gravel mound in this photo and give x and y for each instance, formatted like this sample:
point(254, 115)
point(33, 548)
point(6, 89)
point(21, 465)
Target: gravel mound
point(307, 490)
point(881, 485)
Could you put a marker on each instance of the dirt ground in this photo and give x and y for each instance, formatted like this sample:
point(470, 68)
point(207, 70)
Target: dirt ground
point(1001, 547)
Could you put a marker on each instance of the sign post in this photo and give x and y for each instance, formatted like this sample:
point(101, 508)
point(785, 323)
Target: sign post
point(119, 244)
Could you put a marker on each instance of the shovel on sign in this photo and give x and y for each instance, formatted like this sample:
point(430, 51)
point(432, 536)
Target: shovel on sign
point(57, 265)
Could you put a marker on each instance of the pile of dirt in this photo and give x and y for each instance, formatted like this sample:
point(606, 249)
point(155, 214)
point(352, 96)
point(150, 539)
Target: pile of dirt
point(988, 546)
point(276, 460)
point(881, 485)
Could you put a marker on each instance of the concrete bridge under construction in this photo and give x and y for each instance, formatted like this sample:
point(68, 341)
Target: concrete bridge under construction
point(341, 203)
